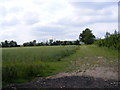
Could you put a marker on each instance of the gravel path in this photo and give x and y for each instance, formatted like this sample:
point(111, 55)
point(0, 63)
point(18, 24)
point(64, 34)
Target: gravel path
point(100, 77)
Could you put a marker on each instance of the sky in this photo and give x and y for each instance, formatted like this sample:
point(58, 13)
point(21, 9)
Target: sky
point(41, 20)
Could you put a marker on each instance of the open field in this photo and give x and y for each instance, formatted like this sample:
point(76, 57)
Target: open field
point(88, 63)
point(24, 63)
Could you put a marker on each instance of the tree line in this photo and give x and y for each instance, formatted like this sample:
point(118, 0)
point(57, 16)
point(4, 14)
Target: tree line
point(51, 43)
point(110, 40)
point(87, 37)
point(34, 43)
point(9, 44)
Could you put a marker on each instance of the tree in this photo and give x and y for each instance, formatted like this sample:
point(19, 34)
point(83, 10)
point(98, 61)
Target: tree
point(6, 43)
point(0, 45)
point(13, 43)
point(115, 32)
point(107, 35)
point(34, 42)
point(87, 37)
point(76, 42)
point(9, 44)
point(51, 41)
point(110, 40)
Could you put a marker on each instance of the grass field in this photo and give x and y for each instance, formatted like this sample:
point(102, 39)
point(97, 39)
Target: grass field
point(23, 64)
point(91, 56)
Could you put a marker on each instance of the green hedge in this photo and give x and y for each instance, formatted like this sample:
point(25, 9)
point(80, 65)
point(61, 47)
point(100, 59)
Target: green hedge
point(111, 41)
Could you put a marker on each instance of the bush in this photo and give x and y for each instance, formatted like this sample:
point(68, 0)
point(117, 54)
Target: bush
point(111, 41)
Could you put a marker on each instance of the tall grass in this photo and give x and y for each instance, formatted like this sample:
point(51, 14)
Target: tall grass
point(24, 63)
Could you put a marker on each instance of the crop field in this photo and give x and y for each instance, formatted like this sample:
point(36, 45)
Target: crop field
point(23, 63)
point(28, 64)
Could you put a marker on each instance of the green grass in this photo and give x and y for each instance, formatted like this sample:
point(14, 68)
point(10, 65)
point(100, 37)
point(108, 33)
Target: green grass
point(91, 56)
point(24, 63)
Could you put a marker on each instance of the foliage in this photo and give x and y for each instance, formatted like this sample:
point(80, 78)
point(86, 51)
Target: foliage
point(31, 43)
point(52, 43)
point(34, 43)
point(87, 37)
point(66, 42)
point(110, 40)
point(9, 44)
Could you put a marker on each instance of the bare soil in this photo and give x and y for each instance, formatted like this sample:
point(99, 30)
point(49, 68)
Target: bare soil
point(100, 77)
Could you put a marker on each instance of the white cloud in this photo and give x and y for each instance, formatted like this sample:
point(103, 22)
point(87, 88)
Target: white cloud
point(25, 20)
point(93, 0)
point(100, 29)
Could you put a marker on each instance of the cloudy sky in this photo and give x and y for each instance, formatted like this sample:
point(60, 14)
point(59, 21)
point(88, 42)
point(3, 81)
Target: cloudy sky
point(26, 20)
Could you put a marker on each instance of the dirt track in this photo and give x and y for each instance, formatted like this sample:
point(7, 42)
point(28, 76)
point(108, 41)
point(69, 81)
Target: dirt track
point(100, 77)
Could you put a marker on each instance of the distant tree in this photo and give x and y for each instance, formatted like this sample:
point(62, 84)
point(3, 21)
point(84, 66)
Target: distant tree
point(65, 42)
point(87, 37)
point(34, 42)
point(9, 44)
point(50, 41)
point(76, 42)
point(6, 43)
point(70, 43)
point(25, 44)
point(13, 44)
point(107, 35)
point(110, 40)
point(58, 42)
point(115, 32)
point(0, 45)
point(31, 44)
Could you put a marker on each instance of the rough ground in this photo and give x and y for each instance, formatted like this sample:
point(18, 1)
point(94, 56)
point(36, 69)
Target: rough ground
point(100, 77)
point(91, 67)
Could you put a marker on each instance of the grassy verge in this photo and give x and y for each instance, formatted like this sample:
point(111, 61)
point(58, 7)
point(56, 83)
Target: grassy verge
point(91, 56)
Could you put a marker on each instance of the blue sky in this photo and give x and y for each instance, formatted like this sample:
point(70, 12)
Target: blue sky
point(26, 20)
